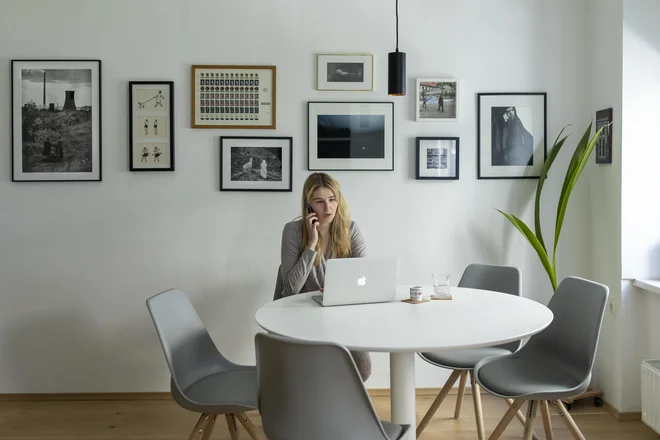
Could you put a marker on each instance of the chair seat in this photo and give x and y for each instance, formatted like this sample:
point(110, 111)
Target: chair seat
point(512, 377)
point(221, 393)
point(394, 431)
point(462, 359)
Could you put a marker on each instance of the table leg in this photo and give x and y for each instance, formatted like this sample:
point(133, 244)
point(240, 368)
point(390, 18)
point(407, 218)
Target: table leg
point(402, 385)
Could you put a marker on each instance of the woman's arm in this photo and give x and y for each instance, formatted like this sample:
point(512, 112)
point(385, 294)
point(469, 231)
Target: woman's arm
point(358, 245)
point(296, 266)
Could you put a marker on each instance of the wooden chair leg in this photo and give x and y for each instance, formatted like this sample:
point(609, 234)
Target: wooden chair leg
point(478, 411)
point(531, 417)
point(249, 426)
point(203, 428)
point(461, 392)
point(568, 420)
point(508, 416)
point(521, 418)
point(231, 424)
point(547, 425)
point(436, 403)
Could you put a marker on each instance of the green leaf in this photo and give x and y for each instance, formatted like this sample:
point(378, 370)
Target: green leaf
point(536, 244)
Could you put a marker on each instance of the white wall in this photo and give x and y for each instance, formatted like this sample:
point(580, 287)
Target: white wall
point(78, 260)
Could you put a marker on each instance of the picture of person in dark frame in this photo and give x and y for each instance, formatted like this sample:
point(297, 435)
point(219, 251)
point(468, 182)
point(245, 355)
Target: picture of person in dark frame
point(511, 143)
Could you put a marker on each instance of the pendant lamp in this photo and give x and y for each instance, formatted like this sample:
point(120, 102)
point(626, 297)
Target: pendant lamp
point(396, 66)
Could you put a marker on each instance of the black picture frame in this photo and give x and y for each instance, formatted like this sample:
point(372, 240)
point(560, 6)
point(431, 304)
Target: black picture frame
point(368, 114)
point(145, 111)
point(447, 165)
point(603, 146)
point(60, 139)
point(494, 162)
point(234, 152)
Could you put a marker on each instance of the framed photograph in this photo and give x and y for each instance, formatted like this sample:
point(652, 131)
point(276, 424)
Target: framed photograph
point(151, 125)
point(353, 72)
point(355, 136)
point(437, 158)
point(233, 96)
point(436, 99)
point(56, 120)
point(256, 163)
point(604, 143)
point(511, 135)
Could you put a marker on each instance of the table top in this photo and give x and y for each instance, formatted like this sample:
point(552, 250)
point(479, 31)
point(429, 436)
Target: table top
point(473, 318)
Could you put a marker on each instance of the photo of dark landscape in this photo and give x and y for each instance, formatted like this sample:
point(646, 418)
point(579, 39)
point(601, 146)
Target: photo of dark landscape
point(351, 136)
point(345, 72)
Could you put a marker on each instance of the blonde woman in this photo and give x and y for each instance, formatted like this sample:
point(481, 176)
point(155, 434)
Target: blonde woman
point(325, 231)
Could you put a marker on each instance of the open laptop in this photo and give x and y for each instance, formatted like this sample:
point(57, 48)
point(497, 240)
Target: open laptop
point(363, 280)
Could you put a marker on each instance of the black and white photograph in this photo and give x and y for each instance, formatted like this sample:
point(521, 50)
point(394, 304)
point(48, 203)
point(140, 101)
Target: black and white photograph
point(351, 136)
point(151, 125)
point(437, 158)
point(350, 72)
point(56, 120)
point(256, 163)
point(511, 137)
point(604, 143)
point(436, 100)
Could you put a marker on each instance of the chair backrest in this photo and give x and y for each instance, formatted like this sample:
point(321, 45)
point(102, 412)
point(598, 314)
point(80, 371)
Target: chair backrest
point(189, 350)
point(571, 338)
point(279, 285)
point(504, 279)
point(310, 390)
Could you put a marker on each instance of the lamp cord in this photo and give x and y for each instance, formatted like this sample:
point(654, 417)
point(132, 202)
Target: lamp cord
point(397, 25)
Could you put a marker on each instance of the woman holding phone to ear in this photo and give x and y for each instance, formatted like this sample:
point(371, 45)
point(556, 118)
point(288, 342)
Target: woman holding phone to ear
point(325, 231)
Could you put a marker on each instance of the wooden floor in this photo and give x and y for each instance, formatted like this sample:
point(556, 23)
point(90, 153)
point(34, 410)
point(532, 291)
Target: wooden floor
point(163, 419)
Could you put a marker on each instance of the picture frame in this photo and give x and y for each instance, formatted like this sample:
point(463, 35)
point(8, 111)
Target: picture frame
point(437, 100)
point(234, 97)
point(351, 136)
point(256, 163)
point(151, 125)
point(511, 135)
point(437, 158)
point(604, 143)
point(56, 120)
point(345, 71)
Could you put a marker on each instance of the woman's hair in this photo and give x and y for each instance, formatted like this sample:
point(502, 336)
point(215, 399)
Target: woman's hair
point(340, 226)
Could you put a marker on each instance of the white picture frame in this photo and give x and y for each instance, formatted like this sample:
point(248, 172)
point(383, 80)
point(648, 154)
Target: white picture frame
point(442, 97)
point(345, 72)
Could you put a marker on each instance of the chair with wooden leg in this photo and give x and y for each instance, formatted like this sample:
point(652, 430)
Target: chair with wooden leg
point(504, 279)
point(202, 380)
point(555, 363)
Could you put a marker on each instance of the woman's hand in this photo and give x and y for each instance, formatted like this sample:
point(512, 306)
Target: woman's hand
point(312, 230)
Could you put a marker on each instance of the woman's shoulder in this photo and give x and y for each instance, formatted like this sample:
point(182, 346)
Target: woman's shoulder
point(293, 228)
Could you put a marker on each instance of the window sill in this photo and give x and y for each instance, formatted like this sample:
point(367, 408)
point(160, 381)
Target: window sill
point(648, 285)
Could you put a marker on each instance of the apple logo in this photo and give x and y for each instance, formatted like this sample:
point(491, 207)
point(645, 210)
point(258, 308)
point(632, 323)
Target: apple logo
point(362, 281)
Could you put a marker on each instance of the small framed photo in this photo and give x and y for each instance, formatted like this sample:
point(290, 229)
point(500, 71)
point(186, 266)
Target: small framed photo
point(354, 136)
point(256, 163)
point(56, 120)
point(437, 158)
point(151, 125)
point(436, 99)
point(354, 72)
point(511, 135)
point(233, 96)
point(604, 142)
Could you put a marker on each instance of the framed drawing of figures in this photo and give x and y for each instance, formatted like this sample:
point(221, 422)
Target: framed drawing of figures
point(353, 136)
point(254, 163)
point(604, 142)
point(56, 120)
point(436, 158)
point(233, 96)
point(354, 72)
point(151, 125)
point(511, 135)
point(436, 100)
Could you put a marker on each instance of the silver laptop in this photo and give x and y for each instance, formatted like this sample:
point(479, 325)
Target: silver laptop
point(359, 281)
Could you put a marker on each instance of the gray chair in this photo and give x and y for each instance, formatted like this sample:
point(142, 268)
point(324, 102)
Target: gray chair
point(505, 279)
point(313, 391)
point(202, 380)
point(554, 364)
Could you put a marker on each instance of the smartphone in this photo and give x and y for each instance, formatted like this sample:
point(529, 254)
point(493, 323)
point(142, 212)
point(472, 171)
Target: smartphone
point(309, 209)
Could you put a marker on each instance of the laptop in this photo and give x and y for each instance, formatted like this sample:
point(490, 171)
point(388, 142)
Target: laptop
point(363, 280)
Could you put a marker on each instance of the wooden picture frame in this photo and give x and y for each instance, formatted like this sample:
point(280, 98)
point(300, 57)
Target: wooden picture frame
point(437, 158)
point(233, 97)
point(151, 125)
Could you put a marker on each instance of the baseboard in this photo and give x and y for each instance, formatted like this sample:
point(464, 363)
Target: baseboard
point(164, 395)
point(632, 416)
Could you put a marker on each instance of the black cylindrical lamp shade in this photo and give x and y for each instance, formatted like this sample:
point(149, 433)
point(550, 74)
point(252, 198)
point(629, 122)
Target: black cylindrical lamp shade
point(396, 73)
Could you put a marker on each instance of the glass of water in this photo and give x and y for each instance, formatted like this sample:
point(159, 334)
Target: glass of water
point(441, 286)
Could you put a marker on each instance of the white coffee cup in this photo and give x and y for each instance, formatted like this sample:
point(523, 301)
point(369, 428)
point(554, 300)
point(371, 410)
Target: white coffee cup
point(416, 293)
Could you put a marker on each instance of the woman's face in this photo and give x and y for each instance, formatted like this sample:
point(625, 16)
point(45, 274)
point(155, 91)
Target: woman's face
point(324, 204)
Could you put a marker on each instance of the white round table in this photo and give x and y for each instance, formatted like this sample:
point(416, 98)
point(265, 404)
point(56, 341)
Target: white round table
point(473, 318)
